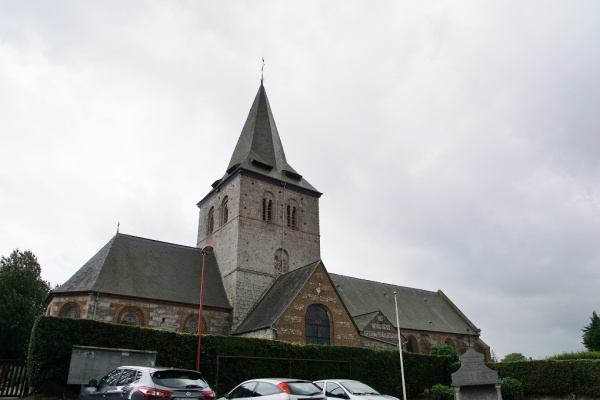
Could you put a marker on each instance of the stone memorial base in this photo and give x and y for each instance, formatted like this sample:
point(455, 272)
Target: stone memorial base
point(479, 392)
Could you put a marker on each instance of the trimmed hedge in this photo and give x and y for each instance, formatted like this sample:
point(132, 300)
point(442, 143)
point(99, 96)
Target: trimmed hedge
point(580, 355)
point(554, 378)
point(52, 340)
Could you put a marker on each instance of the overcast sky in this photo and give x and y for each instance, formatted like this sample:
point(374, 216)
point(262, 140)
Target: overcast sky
point(457, 145)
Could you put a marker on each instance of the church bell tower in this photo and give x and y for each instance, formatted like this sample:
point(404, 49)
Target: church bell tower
point(261, 217)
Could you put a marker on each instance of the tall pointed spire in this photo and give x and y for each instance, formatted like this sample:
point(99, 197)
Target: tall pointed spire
point(259, 147)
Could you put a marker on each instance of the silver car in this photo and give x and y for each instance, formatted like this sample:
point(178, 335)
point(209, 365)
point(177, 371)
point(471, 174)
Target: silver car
point(348, 389)
point(137, 383)
point(275, 389)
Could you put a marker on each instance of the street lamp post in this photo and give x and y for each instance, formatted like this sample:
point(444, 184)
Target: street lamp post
point(205, 250)
point(400, 347)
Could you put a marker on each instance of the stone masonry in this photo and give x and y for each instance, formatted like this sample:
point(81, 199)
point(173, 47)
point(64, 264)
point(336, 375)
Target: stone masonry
point(160, 315)
point(246, 245)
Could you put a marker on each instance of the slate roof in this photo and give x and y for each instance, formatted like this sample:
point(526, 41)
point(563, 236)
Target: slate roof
point(143, 268)
point(418, 309)
point(276, 300)
point(259, 149)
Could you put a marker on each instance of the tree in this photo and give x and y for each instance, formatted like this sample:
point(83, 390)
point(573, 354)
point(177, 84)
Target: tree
point(22, 296)
point(494, 356)
point(447, 351)
point(511, 388)
point(514, 357)
point(444, 350)
point(591, 334)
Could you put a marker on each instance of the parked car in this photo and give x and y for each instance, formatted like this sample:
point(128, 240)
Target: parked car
point(136, 383)
point(275, 389)
point(348, 389)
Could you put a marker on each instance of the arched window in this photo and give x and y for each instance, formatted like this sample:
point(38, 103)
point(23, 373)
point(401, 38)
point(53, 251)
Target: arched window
point(210, 221)
point(70, 310)
point(267, 210)
point(191, 324)
point(291, 214)
point(282, 262)
point(318, 327)
point(224, 211)
point(267, 206)
point(412, 344)
point(131, 316)
point(294, 218)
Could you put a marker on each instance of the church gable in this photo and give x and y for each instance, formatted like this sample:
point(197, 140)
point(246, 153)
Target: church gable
point(377, 326)
point(275, 301)
point(302, 306)
point(315, 309)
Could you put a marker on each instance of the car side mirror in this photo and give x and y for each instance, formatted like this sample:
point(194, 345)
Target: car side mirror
point(93, 382)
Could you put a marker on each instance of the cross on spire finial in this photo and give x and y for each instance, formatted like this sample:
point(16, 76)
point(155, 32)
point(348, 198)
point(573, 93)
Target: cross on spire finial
point(262, 70)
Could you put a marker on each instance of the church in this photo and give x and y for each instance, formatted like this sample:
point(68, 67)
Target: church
point(259, 242)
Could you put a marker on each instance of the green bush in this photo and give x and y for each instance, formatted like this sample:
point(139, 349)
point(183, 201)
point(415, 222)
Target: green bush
point(514, 357)
point(445, 350)
point(442, 392)
point(448, 351)
point(581, 355)
point(554, 378)
point(512, 389)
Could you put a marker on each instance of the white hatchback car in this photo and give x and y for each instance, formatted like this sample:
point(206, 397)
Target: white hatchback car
point(275, 389)
point(348, 389)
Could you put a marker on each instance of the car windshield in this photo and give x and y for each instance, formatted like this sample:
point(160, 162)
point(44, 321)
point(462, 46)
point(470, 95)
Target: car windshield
point(358, 388)
point(174, 378)
point(303, 388)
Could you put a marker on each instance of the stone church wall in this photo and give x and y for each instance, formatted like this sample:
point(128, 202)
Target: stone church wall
point(376, 344)
point(160, 315)
point(263, 238)
point(224, 236)
point(248, 248)
point(267, 334)
point(249, 288)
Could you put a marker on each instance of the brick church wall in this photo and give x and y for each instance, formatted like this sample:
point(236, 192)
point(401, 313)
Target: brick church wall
point(379, 333)
point(378, 336)
point(423, 341)
point(318, 290)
